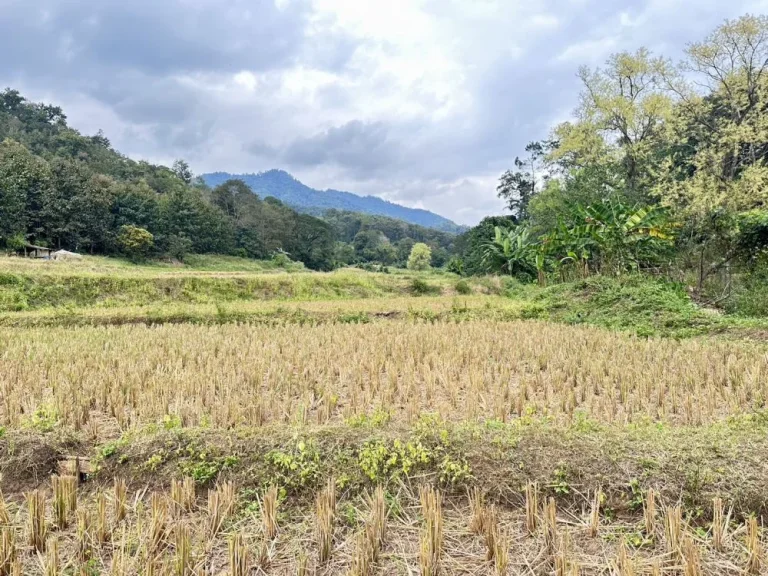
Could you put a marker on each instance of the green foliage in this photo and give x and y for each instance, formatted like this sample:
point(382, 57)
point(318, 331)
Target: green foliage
point(511, 251)
point(463, 287)
point(60, 188)
point(420, 258)
point(205, 469)
point(420, 287)
point(135, 242)
point(379, 418)
point(44, 418)
point(298, 467)
point(382, 461)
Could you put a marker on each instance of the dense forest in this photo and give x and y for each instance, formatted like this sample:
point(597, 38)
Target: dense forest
point(663, 169)
point(61, 189)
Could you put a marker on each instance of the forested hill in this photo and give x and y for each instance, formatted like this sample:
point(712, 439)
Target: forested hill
point(288, 189)
point(62, 189)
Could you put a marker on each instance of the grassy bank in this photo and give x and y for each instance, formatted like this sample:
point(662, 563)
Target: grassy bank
point(641, 305)
point(24, 291)
point(690, 465)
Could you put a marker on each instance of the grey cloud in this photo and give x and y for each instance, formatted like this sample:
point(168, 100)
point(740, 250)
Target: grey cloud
point(131, 57)
point(356, 146)
point(156, 37)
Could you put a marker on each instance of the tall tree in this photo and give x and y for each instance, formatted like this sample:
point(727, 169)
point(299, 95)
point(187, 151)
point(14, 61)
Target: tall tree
point(24, 180)
point(518, 187)
point(622, 112)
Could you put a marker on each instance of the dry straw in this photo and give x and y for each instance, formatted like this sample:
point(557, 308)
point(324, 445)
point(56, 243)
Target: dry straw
point(673, 526)
point(269, 505)
point(119, 493)
point(691, 557)
point(531, 506)
point(239, 557)
point(7, 550)
point(718, 524)
point(325, 514)
point(37, 529)
point(649, 513)
point(594, 514)
point(431, 548)
point(754, 547)
point(306, 373)
point(550, 528)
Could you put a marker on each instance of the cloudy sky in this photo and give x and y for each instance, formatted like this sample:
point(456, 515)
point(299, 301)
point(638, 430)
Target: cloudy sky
point(422, 102)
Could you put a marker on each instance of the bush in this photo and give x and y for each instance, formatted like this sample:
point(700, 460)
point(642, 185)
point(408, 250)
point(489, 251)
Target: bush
point(16, 242)
point(421, 288)
point(135, 242)
point(456, 266)
point(179, 247)
point(281, 260)
point(463, 287)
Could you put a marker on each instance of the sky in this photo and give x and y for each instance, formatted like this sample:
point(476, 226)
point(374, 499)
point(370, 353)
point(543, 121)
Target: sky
point(421, 102)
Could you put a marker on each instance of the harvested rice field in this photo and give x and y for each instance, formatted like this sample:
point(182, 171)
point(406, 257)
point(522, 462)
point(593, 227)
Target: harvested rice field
point(219, 432)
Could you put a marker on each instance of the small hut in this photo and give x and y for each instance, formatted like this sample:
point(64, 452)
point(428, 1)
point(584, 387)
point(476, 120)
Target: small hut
point(32, 251)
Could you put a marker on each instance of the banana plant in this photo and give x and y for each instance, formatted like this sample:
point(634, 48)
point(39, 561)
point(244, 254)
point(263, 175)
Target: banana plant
point(511, 251)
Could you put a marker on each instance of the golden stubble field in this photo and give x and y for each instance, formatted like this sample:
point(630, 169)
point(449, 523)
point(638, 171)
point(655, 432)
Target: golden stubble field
point(109, 386)
point(245, 375)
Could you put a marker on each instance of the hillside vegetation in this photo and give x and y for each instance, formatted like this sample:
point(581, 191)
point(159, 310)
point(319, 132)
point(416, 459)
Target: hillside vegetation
point(288, 189)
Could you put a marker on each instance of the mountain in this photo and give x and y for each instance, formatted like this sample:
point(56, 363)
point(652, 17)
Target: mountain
point(289, 190)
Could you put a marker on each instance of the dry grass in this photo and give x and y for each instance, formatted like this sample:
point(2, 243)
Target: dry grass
point(232, 375)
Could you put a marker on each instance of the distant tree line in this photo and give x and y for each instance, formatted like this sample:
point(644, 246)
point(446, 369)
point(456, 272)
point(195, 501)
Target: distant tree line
point(61, 189)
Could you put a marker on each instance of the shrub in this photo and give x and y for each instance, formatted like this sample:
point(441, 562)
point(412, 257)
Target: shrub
point(420, 288)
point(179, 247)
point(281, 260)
point(456, 266)
point(135, 242)
point(463, 287)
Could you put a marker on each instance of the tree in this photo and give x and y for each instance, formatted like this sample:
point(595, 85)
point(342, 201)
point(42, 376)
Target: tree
point(719, 154)
point(92, 213)
point(182, 171)
point(716, 162)
point(511, 251)
point(471, 246)
point(623, 109)
point(519, 187)
point(135, 242)
point(24, 180)
point(420, 258)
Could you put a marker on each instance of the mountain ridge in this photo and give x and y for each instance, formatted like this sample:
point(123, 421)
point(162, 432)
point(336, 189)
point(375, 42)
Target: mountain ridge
point(290, 190)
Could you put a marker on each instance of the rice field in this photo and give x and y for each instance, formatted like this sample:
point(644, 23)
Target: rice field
point(245, 375)
point(181, 532)
point(224, 422)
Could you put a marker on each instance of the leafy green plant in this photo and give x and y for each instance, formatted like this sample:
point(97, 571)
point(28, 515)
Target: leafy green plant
point(382, 462)
point(511, 251)
point(297, 467)
point(43, 419)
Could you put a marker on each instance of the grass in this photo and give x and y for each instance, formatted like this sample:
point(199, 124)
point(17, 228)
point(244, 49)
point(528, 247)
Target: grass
point(637, 304)
point(36, 287)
